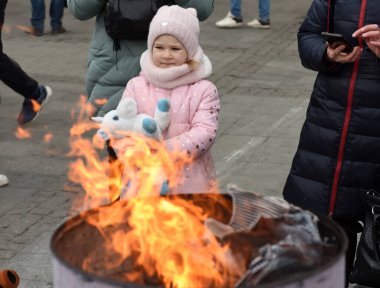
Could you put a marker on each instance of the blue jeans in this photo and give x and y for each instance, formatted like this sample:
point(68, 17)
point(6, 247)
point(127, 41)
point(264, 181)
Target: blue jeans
point(264, 9)
point(55, 12)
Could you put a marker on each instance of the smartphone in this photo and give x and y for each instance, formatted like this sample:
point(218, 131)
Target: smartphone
point(335, 40)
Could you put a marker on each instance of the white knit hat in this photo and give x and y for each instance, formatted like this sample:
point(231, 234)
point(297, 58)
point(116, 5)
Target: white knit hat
point(179, 22)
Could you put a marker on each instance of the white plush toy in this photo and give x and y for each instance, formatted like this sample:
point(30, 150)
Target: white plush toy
point(117, 122)
point(125, 118)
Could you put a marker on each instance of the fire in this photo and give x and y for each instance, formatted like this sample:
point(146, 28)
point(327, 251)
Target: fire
point(48, 137)
point(36, 105)
point(21, 133)
point(6, 29)
point(164, 236)
point(23, 28)
point(101, 102)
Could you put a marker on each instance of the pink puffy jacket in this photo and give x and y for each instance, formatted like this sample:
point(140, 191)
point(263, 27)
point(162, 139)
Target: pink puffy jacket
point(194, 117)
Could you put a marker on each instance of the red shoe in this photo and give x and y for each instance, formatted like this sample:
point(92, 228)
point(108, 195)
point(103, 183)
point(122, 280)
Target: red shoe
point(9, 278)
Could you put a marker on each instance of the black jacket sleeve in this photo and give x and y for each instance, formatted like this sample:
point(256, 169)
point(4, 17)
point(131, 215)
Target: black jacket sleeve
point(311, 45)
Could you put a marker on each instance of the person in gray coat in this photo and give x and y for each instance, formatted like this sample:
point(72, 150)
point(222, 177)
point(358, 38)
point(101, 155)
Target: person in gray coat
point(109, 70)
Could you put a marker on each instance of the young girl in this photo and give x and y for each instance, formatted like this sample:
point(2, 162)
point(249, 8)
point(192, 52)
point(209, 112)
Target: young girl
point(174, 67)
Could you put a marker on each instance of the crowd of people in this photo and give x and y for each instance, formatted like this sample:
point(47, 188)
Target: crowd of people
point(337, 158)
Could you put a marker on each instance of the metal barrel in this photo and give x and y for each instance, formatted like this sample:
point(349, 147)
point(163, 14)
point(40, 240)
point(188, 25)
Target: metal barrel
point(329, 275)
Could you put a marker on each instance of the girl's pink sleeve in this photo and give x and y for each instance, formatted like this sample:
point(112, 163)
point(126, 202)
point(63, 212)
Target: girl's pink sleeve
point(203, 126)
point(129, 91)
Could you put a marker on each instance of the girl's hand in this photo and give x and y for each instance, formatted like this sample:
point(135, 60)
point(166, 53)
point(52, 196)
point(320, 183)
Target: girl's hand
point(371, 35)
point(335, 54)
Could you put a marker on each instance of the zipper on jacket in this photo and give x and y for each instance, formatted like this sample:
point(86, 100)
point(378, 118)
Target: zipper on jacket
point(347, 118)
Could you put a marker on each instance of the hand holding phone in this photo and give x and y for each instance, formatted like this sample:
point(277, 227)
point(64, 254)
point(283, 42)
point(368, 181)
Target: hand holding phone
point(335, 40)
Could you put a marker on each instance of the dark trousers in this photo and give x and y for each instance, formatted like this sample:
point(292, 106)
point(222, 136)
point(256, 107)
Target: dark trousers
point(10, 72)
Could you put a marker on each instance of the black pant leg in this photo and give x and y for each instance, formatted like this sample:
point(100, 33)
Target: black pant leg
point(15, 78)
point(10, 72)
point(3, 5)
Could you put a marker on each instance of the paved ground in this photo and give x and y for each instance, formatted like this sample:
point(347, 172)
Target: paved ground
point(264, 92)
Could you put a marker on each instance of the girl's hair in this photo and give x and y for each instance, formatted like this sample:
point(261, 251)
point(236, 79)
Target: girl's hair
point(192, 64)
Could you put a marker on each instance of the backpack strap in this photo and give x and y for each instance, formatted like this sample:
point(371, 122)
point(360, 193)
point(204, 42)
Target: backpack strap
point(330, 15)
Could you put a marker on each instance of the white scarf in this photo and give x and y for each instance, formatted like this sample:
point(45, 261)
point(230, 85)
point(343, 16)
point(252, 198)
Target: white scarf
point(172, 77)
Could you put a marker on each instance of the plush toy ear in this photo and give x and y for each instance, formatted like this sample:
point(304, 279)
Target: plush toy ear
point(162, 114)
point(127, 108)
point(97, 119)
point(163, 105)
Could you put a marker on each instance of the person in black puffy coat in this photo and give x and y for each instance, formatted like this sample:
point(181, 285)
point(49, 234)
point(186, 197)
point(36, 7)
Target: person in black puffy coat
point(338, 156)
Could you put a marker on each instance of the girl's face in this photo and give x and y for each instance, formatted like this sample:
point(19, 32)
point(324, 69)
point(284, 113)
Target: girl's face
point(168, 51)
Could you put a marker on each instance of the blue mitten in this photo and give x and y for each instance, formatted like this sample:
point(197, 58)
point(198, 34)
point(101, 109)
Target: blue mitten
point(103, 134)
point(164, 188)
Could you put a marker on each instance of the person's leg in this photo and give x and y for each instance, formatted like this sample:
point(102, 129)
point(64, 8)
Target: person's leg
point(264, 10)
point(236, 8)
point(3, 5)
point(36, 96)
point(38, 15)
point(234, 17)
point(15, 78)
point(11, 73)
point(56, 14)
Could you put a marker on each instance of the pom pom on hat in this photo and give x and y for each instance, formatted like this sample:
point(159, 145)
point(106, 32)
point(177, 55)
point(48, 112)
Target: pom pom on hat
point(179, 22)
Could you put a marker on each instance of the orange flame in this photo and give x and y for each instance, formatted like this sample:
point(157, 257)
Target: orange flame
point(48, 137)
point(101, 102)
point(166, 238)
point(21, 133)
point(23, 28)
point(6, 29)
point(36, 105)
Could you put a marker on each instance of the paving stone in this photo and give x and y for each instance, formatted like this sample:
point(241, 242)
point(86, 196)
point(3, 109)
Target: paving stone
point(7, 254)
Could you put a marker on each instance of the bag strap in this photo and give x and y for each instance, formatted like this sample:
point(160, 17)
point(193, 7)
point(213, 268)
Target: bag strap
point(330, 15)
